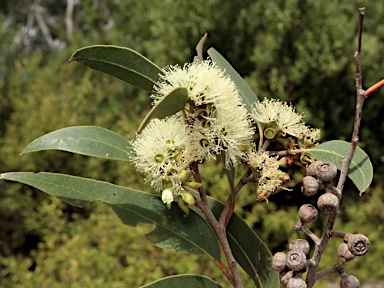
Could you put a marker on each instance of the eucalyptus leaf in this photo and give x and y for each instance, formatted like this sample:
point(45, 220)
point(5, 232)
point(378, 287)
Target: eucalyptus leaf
point(184, 281)
point(360, 170)
point(247, 95)
point(87, 140)
point(169, 105)
point(173, 230)
point(120, 62)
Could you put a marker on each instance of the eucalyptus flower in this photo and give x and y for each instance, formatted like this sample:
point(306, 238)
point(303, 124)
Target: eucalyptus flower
point(279, 112)
point(216, 117)
point(159, 151)
point(266, 169)
point(205, 82)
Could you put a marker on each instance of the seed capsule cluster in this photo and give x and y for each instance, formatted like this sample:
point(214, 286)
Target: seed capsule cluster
point(293, 264)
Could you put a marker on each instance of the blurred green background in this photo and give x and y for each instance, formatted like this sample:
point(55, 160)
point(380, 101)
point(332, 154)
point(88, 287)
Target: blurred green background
point(295, 50)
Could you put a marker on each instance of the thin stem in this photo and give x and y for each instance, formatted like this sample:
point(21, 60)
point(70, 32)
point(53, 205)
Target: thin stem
point(265, 145)
point(374, 87)
point(261, 140)
point(212, 220)
point(337, 268)
point(310, 234)
point(220, 230)
point(288, 152)
point(229, 208)
point(360, 96)
point(338, 234)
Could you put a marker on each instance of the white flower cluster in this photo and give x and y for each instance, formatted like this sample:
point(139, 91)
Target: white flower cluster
point(214, 122)
point(266, 168)
point(272, 111)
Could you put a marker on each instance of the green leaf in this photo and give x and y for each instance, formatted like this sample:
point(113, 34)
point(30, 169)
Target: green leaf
point(169, 105)
point(185, 281)
point(120, 62)
point(173, 230)
point(360, 170)
point(86, 140)
point(249, 250)
point(245, 91)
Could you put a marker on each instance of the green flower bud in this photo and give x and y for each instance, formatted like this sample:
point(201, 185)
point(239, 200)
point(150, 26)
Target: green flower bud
point(187, 197)
point(184, 206)
point(193, 185)
point(185, 176)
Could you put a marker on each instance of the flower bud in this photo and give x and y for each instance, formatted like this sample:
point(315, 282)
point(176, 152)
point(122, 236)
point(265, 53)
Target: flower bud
point(327, 202)
point(193, 185)
point(344, 252)
point(312, 168)
point(326, 171)
point(309, 186)
point(279, 261)
point(308, 213)
point(349, 281)
point(358, 244)
point(296, 283)
point(296, 260)
point(185, 176)
point(167, 196)
point(183, 206)
point(187, 197)
point(300, 245)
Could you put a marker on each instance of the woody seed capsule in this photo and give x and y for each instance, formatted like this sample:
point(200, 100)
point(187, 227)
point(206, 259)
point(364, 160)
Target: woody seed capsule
point(300, 245)
point(296, 260)
point(349, 281)
point(279, 261)
point(308, 213)
point(326, 171)
point(309, 186)
point(344, 252)
point(296, 283)
point(327, 202)
point(358, 244)
point(312, 168)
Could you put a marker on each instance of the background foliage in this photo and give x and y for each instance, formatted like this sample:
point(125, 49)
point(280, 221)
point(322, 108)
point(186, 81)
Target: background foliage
point(295, 50)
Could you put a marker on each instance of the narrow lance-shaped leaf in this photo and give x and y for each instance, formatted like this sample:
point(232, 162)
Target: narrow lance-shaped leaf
point(87, 140)
point(249, 250)
point(173, 230)
point(120, 62)
point(360, 170)
point(185, 281)
point(169, 105)
point(246, 93)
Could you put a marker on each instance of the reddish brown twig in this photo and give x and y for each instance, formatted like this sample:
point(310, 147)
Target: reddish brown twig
point(374, 87)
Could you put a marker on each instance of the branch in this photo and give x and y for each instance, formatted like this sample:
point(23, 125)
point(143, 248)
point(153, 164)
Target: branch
point(69, 19)
point(229, 207)
point(220, 230)
point(43, 27)
point(360, 97)
point(374, 87)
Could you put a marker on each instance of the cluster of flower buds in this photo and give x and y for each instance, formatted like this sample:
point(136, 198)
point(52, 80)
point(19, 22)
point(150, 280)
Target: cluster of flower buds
point(293, 264)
